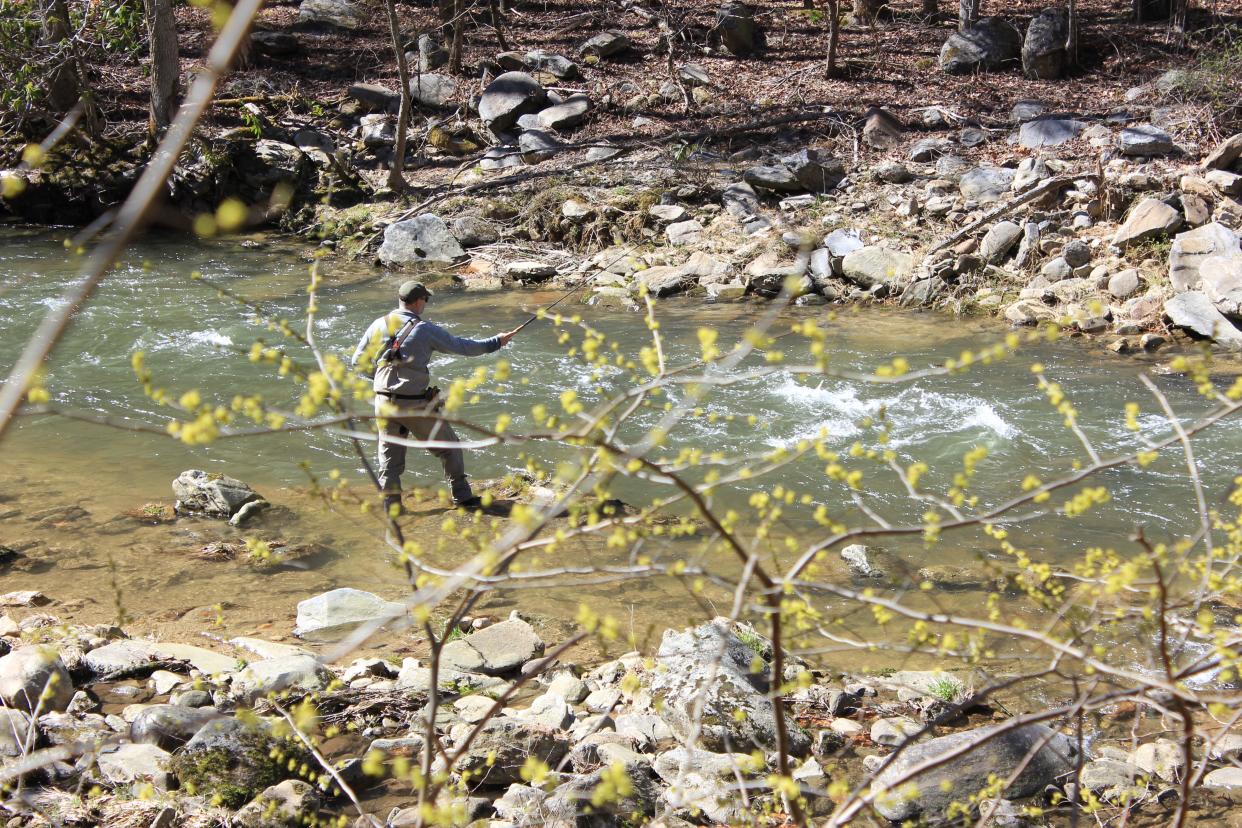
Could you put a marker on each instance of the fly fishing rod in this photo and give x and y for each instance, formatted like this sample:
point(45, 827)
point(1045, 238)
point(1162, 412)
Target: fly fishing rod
point(574, 290)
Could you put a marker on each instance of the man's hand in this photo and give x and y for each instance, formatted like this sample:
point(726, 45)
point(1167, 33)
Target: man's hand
point(505, 337)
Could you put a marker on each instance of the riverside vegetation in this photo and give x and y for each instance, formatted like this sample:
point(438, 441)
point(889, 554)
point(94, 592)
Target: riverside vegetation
point(1021, 690)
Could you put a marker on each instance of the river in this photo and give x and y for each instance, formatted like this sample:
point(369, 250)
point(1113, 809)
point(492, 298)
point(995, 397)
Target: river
point(98, 564)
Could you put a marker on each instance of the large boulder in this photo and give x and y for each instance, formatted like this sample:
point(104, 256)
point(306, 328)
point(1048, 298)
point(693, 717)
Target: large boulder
point(331, 615)
point(606, 44)
point(963, 764)
point(714, 689)
point(509, 97)
point(813, 171)
point(130, 763)
point(989, 44)
point(565, 116)
point(27, 674)
point(1145, 140)
point(300, 673)
point(495, 650)
point(433, 90)
point(14, 732)
point(291, 803)
point(331, 14)
point(1043, 51)
point(1150, 218)
point(422, 240)
point(1192, 248)
point(169, 726)
point(233, 761)
point(1194, 311)
point(1048, 131)
point(1221, 279)
point(497, 755)
point(211, 494)
point(986, 184)
point(1226, 154)
point(872, 265)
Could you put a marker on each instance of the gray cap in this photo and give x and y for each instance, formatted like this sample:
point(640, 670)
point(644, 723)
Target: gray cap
point(412, 290)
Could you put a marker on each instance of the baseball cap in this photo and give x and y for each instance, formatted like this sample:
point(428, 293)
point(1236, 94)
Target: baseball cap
point(411, 290)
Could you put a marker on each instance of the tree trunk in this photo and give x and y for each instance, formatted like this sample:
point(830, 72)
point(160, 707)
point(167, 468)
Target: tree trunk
point(833, 12)
point(498, 21)
point(865, 11)
point(459, 24)
point(165, 63)
point(931, 8)
point(1071, 38)
point(63, 84)
point(396, 179)
point(967, 13)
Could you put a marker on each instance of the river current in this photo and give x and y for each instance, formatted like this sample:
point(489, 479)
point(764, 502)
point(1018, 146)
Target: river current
point(97, 564)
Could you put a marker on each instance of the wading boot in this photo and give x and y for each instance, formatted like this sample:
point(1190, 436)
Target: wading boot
point(392, 505)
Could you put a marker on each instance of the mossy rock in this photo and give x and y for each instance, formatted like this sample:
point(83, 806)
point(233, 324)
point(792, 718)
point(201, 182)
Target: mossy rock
point(231, 762)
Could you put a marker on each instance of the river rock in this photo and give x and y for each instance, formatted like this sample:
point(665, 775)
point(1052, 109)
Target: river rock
point(1108, 778)
point(334, 14)
point(995, 752)
point(235, 761)
point(606, 44)
point(860, 560)
point(433, 90)
point(213, 495)
point(130, 763)
point(684, 232)
point(776, 177)
point(501, 648)
point(1124, 284)
point(815, 172)
point(708, 668)
point(1148, 219)
point(1226, 154)
point(272, 162)
point(706, 782)
point(501, 157)
point(986, 184)
point(509, 97)
point(497, 755)
point(1194, 311)
point(422, 240)
point(1220, 278)
point(1192, 248)
point(893, 730)
point(881, 130)
point(929, 149)
point(565, 116)
point(1048, 132)
point(998, 241)
point(1076, 253)
point(292, 802)
point(989, 44)
point(123, 658)
point(472, 231)
point(1163, 758)
point(1043, 51)
point(1224, 778)
point(27, 673)
point(1145, 140)
point(559, 66)
point(275, 675)
point(873, 265)
point(891, 172)
point(169, 726)
point(14, 732)
point(331, 615)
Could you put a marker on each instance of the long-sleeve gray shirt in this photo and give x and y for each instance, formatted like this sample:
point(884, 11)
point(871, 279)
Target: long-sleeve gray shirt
point(408, 375)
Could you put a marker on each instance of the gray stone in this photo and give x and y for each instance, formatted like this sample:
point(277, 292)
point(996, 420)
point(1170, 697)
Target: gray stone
point(990, 752)
point(972, 137)
point(1108, 777)
point(989, 44)
point(27, 673)
point(549, 710)
point(861, 561)
point(881, 130)
point(602, 152)
point(500, 158)
point(1225, 747)
point(472, 231)
point(509, 97)
point(1194, 311)
point(169, 726)
point(562, 67)
point(776, 177)
point(1048, 132)
point(1148, 219)
point(1223, 778)
point(986, 184)
point(1226, 154)
point(1220, 277)
point(273, 162)
point(431, 53)
point(740, 199)
point(289, 803)
point(684, 232)
point(417, 680)
point(815, 172)
point(891, 172)
point(694, 75)
point(276, 675)
point(1163, 757)
point(331, 615)
point(235, 760)
point(422, 240)
point(1027, 110)
point(567, 115)
point(998, 241)
point(894, 730)
point(497, 755)
point(1145, 140)
point(433, 90)
point(213, 495)
point(377, 131)
point(1228, 183)
point(129, 763)
point(537, 146)
point(1043, 50)
point(14, 732)
point(1076, 253)
point(841, 243)
point(950, 167)
point(929, 149)
point(709, 670)
point(606, 44)
point(374, 97)
point(1192, 248)
point(530, 270)
point(1028, 312)
point(1124, 284)
point(871, 266)
point(667, 213)
point(332, 14)
point(504, 647)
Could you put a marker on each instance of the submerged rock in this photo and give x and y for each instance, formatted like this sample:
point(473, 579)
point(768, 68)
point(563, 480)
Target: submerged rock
point(213, 495)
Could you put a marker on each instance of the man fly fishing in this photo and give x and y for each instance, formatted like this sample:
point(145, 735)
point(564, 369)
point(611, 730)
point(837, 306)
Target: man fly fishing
point(399, 344)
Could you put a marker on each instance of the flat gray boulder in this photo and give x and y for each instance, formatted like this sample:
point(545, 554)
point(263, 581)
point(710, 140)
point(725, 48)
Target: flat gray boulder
point(498, 649)
point(333, 14)
point(422, 240)
point(989, 44)
point(775, 177)
point(433, 90)
point(509, 97)
point(1043, 50)
point(1150, 218)
point(169, 726)
point(985, 184)
point(565, 116)
point(999, 240)
point(1194, 247)
point(873, 265)
point(332, 615)
point(1145, 140)
point(606, 44)
point(497, 755)
point(211, 494)
point(26, 673)
point(707, 674)
point(1048, 132)
point(989, 752)
point(130, 763)
point(1194, 311)
point(276, 675)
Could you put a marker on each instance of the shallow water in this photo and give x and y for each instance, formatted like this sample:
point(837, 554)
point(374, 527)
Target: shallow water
point(194, 340)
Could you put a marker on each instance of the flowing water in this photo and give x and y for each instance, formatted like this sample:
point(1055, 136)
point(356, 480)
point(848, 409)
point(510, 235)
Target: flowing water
point(95, 564)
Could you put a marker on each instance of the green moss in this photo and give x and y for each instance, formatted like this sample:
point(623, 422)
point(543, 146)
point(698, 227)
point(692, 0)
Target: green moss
point(233, 779)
